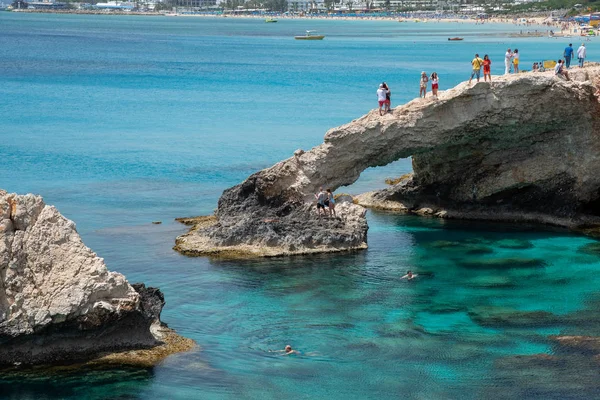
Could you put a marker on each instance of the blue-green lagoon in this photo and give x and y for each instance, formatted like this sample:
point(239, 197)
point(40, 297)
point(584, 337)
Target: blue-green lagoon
point(120, 121)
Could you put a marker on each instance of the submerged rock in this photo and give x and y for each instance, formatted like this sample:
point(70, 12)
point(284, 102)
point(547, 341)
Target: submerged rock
point(461, 247)
point(58, 301)
point(502, 263)
point(516, 244)
point(494, 151)
point(502, 317)
point(491, 282)
point(586, 345)
point(591, 248)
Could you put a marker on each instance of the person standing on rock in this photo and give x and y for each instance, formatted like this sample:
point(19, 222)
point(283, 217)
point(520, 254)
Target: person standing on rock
point(423, 85)
point(568, 54)
point(331, 202)
point(507, 61)
point(381, 98)
point(487, 68)
point(388, 98)
point(321, 197)
point(477, 63)
point(435, 84)
point(581, 53)
point(516, 61)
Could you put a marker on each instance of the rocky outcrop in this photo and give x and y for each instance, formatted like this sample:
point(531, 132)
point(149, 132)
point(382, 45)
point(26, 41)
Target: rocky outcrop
point(288, 229)
point(524, 147)
point(58, 301)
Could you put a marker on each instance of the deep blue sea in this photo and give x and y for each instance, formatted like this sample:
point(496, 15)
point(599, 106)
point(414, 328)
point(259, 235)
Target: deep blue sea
point(120, 121)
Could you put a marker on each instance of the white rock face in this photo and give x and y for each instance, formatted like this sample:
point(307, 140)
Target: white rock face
point(517, 130)
point(47, 275)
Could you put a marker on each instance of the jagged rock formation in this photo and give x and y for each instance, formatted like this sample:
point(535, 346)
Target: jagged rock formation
point(277, 229)
point(58, 301)
point(524, 147)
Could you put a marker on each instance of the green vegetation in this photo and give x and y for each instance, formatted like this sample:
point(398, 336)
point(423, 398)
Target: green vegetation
point(163, 6)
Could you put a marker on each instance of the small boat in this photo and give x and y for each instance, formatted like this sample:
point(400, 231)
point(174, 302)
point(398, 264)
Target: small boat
point(270, 20)
point(455, 38)
point(310, 36)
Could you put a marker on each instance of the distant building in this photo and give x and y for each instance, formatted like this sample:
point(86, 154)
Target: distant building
point(115, 5)
point(46, 5)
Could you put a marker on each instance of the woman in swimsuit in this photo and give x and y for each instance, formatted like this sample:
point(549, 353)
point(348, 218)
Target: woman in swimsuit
point(434, 84)
point(423, 84)
point(487, 68)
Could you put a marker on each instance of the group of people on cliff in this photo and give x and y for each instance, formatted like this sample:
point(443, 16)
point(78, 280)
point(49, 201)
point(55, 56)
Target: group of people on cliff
point(325, 202)
point(384, 97)
point(384, 94)
point(434, 79)
point(511, 65)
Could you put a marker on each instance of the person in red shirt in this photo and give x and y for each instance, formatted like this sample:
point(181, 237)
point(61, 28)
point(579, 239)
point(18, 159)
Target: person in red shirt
point(487, 68)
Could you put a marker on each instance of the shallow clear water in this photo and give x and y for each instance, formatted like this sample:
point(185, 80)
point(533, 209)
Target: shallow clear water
point(120, 121)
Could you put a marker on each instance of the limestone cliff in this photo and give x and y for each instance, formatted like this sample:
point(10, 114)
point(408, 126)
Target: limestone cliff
point(58, 301)
point(524, 147)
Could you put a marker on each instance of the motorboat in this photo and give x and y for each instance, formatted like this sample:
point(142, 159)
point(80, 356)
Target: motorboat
point(455, 38)
point(271, 20)
point(310, 35)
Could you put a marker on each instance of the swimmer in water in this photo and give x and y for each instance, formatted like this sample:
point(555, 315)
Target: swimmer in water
point(409, 275)
point(289, 351)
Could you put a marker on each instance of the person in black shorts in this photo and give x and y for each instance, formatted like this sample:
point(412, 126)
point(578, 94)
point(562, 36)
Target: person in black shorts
point(321, 199)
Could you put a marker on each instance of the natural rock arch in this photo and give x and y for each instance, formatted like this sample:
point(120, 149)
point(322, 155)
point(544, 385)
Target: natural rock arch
point(525, 147)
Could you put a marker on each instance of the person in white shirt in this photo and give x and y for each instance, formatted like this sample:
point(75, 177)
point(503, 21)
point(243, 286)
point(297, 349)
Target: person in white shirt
point(581, 54)
point(382, 97)
point(507, 61)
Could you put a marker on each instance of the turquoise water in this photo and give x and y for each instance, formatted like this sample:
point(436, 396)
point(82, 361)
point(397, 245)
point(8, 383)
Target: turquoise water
point(120, 121)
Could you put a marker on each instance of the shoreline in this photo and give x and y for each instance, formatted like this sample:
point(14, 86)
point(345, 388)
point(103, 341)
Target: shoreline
point(543, 26)
point(416, 18)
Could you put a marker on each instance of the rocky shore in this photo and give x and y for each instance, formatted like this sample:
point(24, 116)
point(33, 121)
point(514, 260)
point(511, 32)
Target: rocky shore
point(58, 302)
point(522, 148)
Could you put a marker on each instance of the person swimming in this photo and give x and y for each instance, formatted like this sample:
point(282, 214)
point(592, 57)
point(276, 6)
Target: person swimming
point(409, 275)
point(289, 351)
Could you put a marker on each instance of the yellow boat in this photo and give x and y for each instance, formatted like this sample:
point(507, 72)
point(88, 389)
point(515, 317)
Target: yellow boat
point(310, 36)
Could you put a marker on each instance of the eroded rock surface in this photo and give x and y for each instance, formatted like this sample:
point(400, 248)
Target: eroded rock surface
point(525, 147)
point(58, 301)
point(293, 228)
